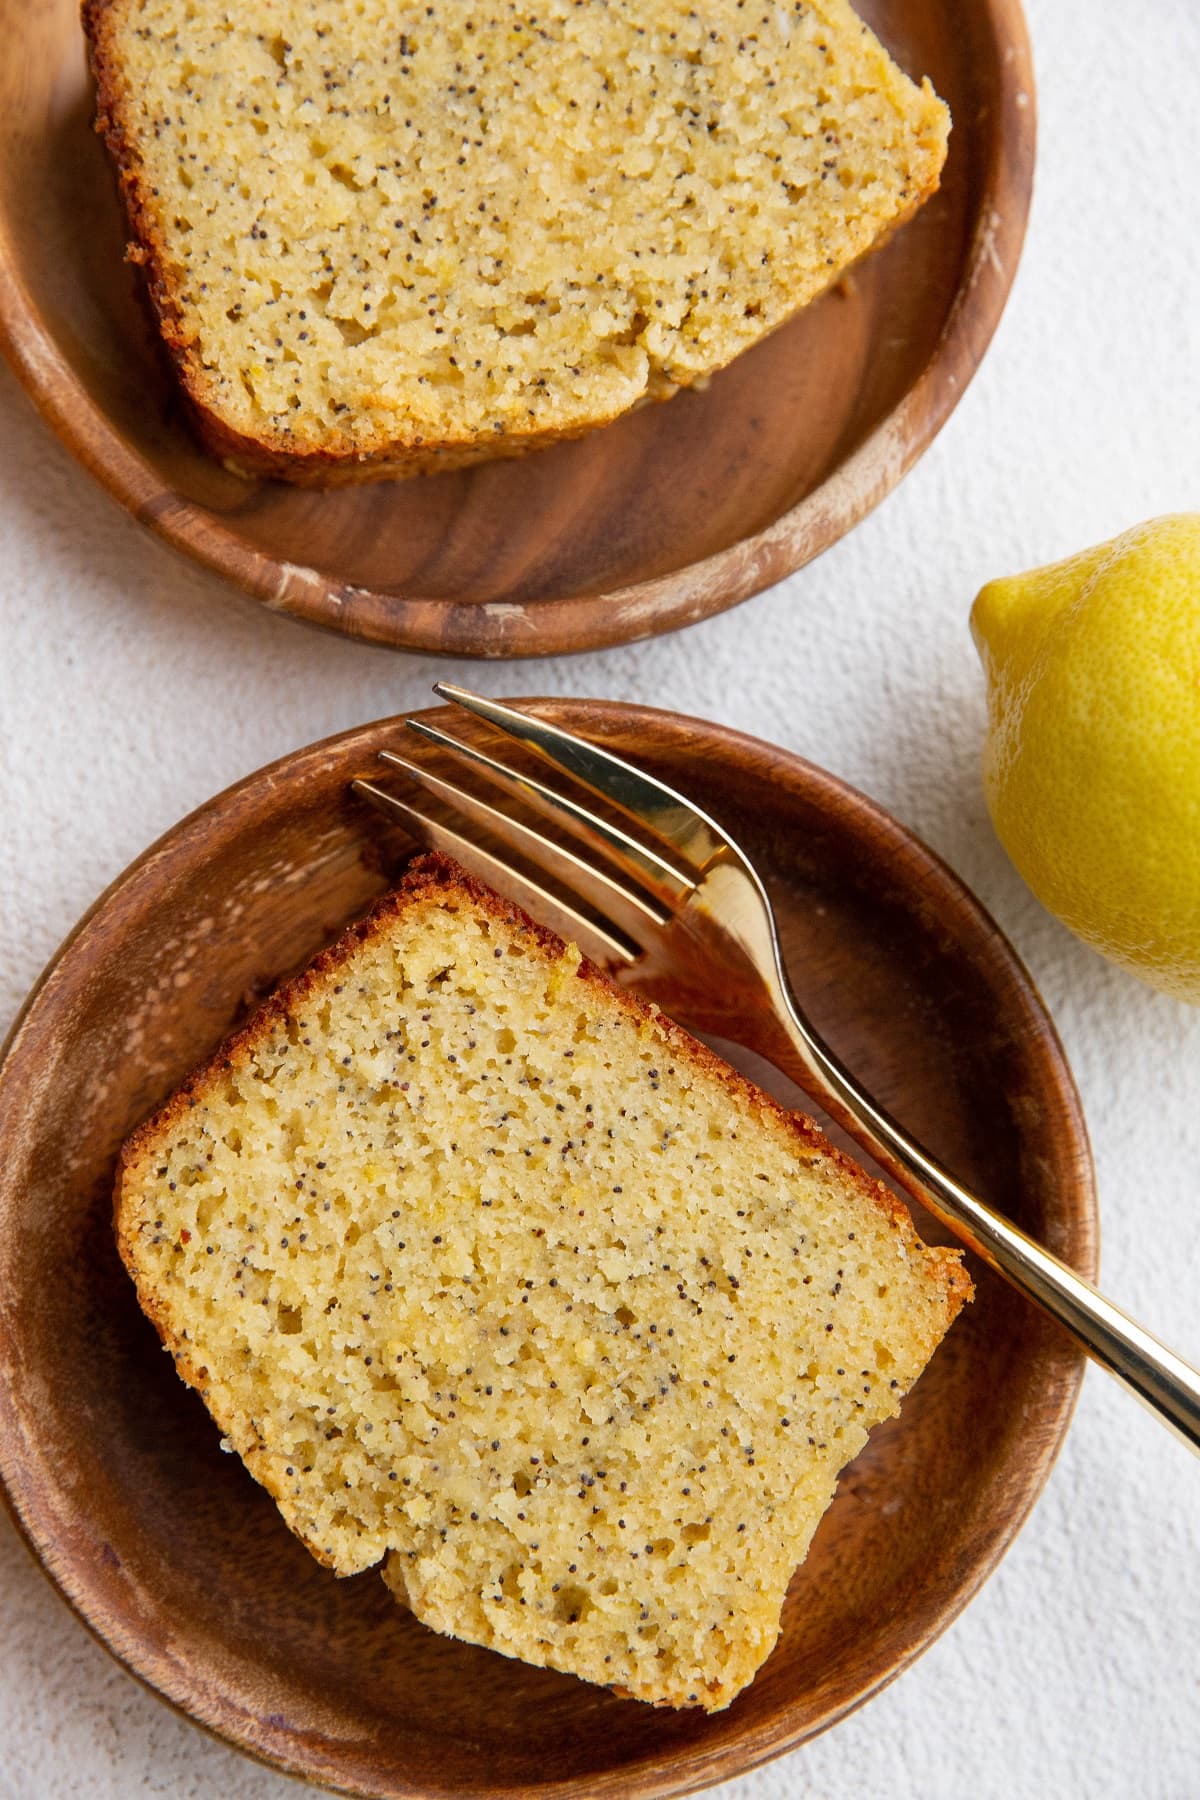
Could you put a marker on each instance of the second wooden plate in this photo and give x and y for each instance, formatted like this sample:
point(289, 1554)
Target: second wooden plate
point(667, 517)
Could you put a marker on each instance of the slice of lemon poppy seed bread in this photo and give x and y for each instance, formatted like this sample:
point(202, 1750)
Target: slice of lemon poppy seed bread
point(496, 1276)
point(384, 237)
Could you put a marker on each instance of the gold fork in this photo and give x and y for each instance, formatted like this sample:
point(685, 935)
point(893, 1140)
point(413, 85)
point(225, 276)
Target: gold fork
point(685, 918)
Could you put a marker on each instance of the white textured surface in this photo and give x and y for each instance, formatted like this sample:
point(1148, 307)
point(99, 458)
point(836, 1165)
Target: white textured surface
point(133, 686)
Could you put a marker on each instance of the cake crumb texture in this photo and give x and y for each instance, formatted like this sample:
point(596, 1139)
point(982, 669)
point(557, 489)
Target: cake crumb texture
point(383, 237)
point(496, 1276)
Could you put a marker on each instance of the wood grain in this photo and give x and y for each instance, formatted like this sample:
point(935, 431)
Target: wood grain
point(666, 517)
point(182, 1566)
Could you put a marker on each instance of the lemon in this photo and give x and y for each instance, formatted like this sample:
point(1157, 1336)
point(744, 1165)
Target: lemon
point(1092, 761)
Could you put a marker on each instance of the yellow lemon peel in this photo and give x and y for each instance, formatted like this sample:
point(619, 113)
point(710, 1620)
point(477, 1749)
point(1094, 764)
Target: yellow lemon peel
point(1092, 759)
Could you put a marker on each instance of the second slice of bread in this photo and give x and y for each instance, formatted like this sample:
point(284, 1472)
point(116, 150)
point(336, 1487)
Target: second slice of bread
point(491, 1273)
point(384, 238)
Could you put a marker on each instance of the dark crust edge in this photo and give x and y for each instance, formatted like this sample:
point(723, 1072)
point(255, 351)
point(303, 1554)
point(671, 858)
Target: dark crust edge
point(268, 456)
point(99, 19)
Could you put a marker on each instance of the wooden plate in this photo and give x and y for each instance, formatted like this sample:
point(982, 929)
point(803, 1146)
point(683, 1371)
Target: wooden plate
point(181, 1564)
point(664, 518)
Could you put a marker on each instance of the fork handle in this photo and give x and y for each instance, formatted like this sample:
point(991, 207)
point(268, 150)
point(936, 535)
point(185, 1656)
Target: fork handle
point(1159, 1378)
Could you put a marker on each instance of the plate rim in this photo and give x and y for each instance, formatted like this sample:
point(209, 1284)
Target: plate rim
point(622, 615)
point(691, 1768)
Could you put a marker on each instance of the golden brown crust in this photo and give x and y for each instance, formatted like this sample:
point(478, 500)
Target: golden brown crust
point(342, 467)
point(435, 874)
point(145, 248)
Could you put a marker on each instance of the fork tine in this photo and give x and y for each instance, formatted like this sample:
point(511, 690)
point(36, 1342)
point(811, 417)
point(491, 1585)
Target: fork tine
point(645, 866)
point(601, 889)
point(683, 826)
point(603, 943)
